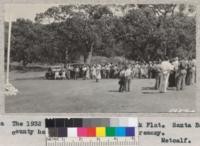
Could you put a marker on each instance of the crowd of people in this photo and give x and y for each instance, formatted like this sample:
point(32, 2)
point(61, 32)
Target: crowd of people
point(167, 73)
point(175, 73)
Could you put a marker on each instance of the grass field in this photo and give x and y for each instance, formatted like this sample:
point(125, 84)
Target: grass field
point(68, 96)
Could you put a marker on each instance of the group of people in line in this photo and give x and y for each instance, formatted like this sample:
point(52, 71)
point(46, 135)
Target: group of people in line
point(167, 73)
point(176, 72)
point(139, 70)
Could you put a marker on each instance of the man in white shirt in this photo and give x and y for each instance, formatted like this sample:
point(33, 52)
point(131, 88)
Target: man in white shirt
point(128, 74)
point(175, 63)
point(166, 67)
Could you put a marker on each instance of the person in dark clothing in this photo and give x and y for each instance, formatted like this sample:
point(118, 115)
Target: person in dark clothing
point(181, 75)
point(122, 81)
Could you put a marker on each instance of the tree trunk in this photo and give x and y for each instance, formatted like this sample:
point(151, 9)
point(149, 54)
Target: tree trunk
point(66, 56)
point(89, 58)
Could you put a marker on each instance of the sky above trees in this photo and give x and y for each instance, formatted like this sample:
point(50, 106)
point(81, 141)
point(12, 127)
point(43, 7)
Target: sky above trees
point(29, 11)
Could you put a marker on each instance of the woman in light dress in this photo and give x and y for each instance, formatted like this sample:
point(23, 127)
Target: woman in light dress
point(93, 72)
point(98, 72)
point(87, 73)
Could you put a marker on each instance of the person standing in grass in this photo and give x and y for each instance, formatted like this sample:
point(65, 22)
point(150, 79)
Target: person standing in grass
point(166, 67)
point(93, 70)
point(175, 72)
point(158, 73)
point(76, 72)
point(84, 70)
point(128, 74)
point(190, 73)
point(87, 74)
point(195, 71)
point(182, 75)
point(98, 72)
point(122, 80)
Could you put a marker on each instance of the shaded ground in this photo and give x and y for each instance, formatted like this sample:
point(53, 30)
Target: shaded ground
point(81, 96)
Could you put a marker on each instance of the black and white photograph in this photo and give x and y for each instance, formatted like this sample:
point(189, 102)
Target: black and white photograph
point(100, 58)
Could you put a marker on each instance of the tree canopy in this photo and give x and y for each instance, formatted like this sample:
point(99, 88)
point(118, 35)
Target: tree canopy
point(138, 32)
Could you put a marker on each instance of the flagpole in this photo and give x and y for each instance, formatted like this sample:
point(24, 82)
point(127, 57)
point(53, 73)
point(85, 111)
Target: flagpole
point(8, 50)
point(9, 88)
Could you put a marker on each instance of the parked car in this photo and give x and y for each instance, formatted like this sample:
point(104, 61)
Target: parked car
point(61, 72)
point(53, 72)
